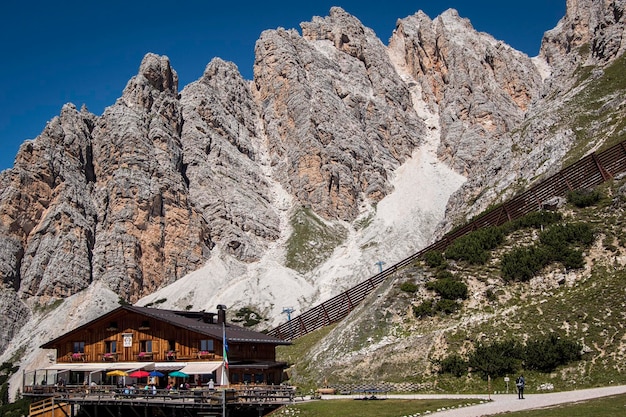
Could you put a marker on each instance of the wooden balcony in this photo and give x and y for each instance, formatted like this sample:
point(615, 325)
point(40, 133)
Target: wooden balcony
point(110, 357)
point(76, 357)
point(145, 356)
point(203, 355)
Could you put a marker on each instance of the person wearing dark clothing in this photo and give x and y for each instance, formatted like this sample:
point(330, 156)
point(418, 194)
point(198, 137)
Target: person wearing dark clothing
point(520, 383)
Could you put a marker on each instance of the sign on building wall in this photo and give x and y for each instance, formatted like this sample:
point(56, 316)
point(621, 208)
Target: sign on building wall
point(128, 339)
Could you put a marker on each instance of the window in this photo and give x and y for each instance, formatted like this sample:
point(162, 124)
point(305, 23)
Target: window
point(146, 346)
point(145, 325)
point(171, 345)
point(110, 346)
point(79, 347)
point(112, 326)
point(206, 345)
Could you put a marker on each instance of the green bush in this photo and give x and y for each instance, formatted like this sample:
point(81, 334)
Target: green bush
point(560, 235)
point(522, 264)
point(434, 259)
point(537, 219)
point(584, 197)
point(446, 306)
point(453, 364)
point(473, 247)
point(445, 274)
point(424, 309)
point(18, 408)
point(497, 359)
point(545, 354)
point(571, 258)
point(449, 289)
point(555, 245)
point(409, 287)
point(247, 317)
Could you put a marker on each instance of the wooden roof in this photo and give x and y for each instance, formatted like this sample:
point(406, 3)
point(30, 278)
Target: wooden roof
point(193, 321)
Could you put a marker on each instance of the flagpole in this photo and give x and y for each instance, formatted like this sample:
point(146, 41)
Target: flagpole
point(224, 357)
point(224, 381)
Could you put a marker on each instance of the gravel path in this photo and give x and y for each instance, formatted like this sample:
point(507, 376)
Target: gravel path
point(502, 403)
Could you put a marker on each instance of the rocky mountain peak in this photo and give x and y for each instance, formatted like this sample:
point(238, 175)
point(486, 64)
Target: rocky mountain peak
point(345, 32)
point(337, 115)
point(221, 141)
point(598, 25)
point(479, 86)
point(155, 76)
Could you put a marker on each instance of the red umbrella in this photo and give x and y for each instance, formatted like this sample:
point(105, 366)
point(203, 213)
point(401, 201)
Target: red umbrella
point(139, 374)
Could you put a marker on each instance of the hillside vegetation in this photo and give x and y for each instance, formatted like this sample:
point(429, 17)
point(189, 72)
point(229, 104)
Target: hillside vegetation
point(420, 330)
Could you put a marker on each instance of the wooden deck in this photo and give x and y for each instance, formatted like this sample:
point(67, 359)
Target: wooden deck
point(192, 402)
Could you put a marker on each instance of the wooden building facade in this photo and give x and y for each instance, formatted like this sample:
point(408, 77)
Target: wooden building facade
point(132, 337)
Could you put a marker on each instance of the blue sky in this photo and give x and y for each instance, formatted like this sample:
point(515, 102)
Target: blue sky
point(84, 52)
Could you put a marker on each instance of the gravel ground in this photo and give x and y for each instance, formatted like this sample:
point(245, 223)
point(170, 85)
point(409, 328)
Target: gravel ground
point(502, 403)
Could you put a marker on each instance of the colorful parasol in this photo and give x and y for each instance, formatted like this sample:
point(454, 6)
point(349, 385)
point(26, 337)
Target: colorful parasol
point(117, 372)
point(139, 374)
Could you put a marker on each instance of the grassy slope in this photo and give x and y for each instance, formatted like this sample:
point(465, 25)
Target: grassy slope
point(312, 241)
point(588, 305)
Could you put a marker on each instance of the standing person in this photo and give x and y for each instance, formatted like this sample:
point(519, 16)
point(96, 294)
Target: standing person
point(520, 383)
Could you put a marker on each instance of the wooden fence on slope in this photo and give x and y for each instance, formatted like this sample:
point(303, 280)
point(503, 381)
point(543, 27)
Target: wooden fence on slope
point(589, 172)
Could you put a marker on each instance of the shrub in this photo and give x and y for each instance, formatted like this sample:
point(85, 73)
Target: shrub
point(537, 219)
point(453, 364)
point(545, 354)
point(446, 306)
point(247, 317)
point(584, 197)
point(497, 359)
point(555, 246)
point(18, 408)
point(449, 289)
point(558, 236)
point(571, 258)
point(434, 259)
point(523, 263)
point(473, 248)
point(409, 287)
point(424, 309)
point(445, 274)
point(490, 295)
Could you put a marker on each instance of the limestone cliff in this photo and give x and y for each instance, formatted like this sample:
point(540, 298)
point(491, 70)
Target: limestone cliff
point(222, 146)
point(338, 117)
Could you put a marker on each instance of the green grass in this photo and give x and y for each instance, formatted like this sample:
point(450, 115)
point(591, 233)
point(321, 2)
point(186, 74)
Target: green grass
point(369, 408)
point(312, 240)
point(588, 308)
point(614, 406)
point(298, 352)
point(300, 346)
